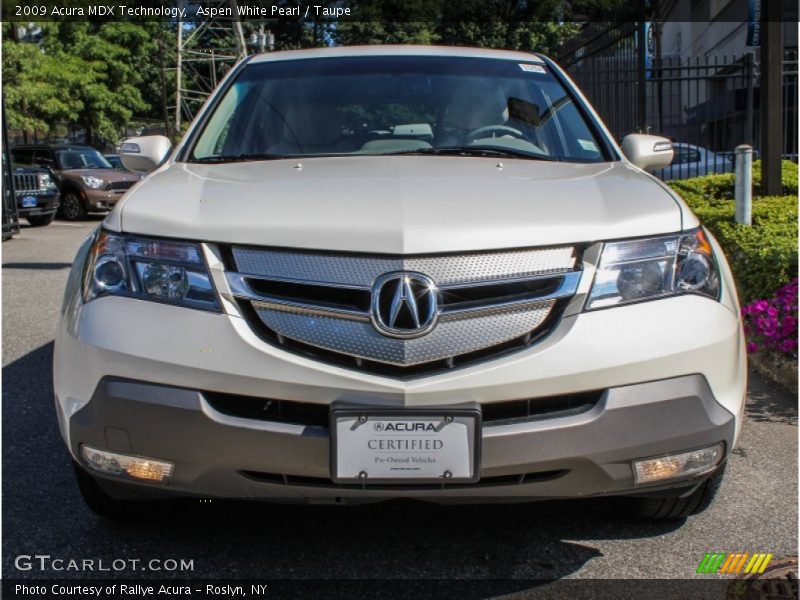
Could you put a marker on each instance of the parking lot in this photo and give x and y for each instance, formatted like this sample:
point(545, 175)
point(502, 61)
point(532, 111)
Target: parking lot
point(43, 513)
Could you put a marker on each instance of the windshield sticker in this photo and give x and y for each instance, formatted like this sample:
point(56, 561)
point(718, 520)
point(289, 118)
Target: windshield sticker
point(531, 68)
point(588, 145)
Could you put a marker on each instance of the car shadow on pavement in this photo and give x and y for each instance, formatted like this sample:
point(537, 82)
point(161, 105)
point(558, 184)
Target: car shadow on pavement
point(43, 513)
point(766, 401)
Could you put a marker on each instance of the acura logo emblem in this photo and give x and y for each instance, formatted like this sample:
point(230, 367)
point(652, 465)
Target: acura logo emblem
point(404, 305)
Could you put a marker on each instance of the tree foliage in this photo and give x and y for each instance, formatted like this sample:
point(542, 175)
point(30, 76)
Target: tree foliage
point(39, 88)
point(504, 24)
point(94, 75)
point(100, 75)
point(115, 54)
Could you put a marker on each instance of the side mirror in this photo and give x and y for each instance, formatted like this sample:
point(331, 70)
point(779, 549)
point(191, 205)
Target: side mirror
point(144, 154)
point(647, 151)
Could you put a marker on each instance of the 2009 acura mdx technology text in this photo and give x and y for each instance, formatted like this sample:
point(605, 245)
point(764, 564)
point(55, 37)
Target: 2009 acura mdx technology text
point(388, 272)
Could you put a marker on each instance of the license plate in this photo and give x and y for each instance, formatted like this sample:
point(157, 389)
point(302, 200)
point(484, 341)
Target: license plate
point(28, 202)
point(395, 446)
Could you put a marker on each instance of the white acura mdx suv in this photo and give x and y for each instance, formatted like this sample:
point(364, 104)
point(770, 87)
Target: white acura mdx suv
point(380, 272)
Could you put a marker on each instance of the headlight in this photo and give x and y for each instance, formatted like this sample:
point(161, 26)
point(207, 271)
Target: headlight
point(45, 181)
point(93, 182)
point(645, 269)
point(148, 269)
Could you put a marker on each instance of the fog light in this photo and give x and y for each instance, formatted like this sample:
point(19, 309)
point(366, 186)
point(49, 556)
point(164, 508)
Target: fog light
point(685, 464)
point(121, 465)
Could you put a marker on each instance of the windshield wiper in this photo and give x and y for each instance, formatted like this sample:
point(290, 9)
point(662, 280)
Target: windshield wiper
point(226, 158)
point(474, 151)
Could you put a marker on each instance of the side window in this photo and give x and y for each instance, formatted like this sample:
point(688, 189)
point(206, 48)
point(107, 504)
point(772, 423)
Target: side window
point(43, 158)
point(694, 155)
point(22, 157)
point(681, 155)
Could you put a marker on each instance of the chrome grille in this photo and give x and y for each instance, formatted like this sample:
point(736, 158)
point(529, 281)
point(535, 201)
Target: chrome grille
point(321, 302)
point(363, 271)
point(26, 182)
point(450, 337)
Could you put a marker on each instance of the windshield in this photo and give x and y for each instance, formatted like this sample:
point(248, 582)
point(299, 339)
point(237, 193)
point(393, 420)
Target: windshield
point(396, 105)
point(81, 159)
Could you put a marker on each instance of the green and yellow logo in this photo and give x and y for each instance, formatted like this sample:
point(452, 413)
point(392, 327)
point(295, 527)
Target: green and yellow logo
point(732, 564)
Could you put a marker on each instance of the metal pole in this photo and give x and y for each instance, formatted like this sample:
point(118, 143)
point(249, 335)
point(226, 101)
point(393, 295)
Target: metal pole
point(10, 215)
point(164, 111)
point(238, 32)
point(641, 91)
point(178, 77)
point(743, 191)
point(771, 98)
point(658, 73)
point(750, 73)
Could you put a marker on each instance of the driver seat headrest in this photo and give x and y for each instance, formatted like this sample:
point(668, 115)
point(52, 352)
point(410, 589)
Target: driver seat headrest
point(476, 104)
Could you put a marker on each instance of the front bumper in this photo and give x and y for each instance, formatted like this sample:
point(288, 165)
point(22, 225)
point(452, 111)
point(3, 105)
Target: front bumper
point(102, 200)
point(129, 376)
point(46, 204)
point(216, 455)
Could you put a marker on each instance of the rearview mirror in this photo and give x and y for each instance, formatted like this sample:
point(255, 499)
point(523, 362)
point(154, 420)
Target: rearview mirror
point(144, 154)
point(647, 151)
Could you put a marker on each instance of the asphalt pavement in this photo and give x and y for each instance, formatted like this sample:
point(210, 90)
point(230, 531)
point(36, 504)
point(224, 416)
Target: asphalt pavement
point(43, 513)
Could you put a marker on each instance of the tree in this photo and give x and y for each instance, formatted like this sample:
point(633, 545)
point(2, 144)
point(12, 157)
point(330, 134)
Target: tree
point(505, 24)
point(114, 53)
point(389, 22)
point(40, 89)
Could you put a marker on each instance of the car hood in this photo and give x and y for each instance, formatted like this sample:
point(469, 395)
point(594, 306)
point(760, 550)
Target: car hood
point(399, 204)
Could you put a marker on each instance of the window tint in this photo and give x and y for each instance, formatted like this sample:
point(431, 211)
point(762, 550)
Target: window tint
point(81, 159)
point(385, 105)
point(22, 157)
point(43, 158)
point(684, 154)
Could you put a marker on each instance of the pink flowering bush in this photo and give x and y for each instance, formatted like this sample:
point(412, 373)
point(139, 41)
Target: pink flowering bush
point(772, 324)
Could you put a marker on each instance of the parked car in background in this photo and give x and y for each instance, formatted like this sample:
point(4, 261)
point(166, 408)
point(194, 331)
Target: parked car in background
point(115, 161)
point(36, 195)
point(693, 161)
point(87, 181)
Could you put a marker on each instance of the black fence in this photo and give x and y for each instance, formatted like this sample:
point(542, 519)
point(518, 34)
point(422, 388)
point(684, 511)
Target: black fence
point(706, 105)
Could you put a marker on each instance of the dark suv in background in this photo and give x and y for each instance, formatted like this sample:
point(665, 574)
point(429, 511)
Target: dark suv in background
point(87, 181)
point(36, 195)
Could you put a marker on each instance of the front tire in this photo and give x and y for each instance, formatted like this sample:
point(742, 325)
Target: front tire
point(41, 220)
point(677, 507)
point(72, 207)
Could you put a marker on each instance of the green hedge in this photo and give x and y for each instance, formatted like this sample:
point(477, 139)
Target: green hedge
point(763, 257)
point(720, 187)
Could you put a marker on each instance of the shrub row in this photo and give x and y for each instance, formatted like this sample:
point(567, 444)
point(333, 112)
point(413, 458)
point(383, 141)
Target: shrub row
point(721, 186)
